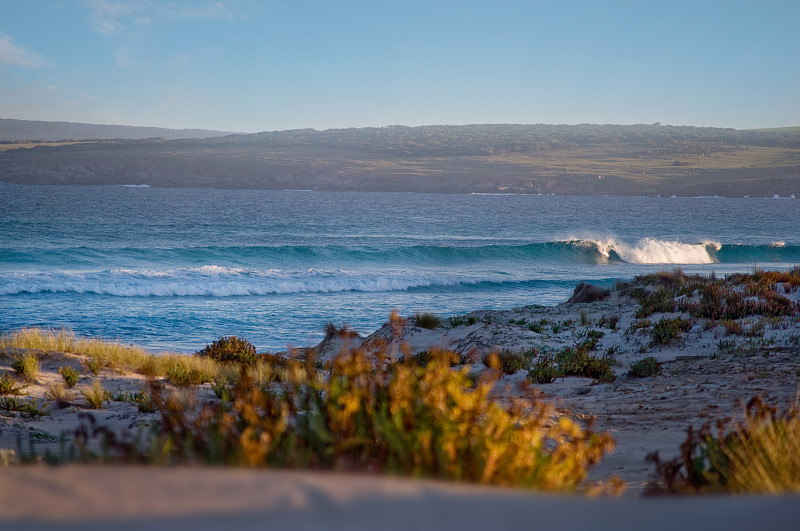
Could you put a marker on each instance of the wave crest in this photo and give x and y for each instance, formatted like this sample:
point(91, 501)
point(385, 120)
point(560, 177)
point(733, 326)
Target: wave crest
point(653, 251)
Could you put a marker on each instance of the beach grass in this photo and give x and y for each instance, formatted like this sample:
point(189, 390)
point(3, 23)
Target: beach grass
point(427, 320)
point(114, 356)
point(27, 366)
point(60, 393)
point(760, 454)
point(766, 454)
point(95, 394)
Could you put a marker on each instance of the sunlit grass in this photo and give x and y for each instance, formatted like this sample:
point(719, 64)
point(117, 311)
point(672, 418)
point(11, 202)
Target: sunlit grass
point(760, 454)
point(39, 338)
point(766, 454)
point(114, 356)
point(95, 394)
point(27, 366)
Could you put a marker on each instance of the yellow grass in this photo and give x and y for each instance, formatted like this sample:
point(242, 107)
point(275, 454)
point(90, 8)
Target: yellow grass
point(39, 338)
point(114, 356)
point(766, 455)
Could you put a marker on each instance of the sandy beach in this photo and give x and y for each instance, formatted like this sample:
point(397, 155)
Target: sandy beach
point(707, 374)
point(122, 498)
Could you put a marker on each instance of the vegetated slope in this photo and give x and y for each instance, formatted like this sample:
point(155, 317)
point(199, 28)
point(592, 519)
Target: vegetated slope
point(12, 130)
point(563, 159)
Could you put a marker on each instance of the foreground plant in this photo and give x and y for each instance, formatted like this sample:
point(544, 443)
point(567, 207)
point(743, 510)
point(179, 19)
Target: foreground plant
point(758, 455)
point(369, 414)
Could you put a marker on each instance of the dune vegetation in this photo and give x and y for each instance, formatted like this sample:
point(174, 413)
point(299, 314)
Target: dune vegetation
point(381, 408)
point(360, 412)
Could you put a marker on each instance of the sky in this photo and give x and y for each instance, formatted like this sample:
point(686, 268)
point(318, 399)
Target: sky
point(249, 66)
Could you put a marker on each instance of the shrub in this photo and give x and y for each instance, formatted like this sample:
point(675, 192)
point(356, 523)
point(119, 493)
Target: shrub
point(141, 399)
point(573, 361)
point(545, 371)
point(458, 320)
point(662, 300)
point(31, 408)
point(612, 321)
point(10, 386)
point(595, 334)
point(646, 367)
point(69, 375)
point(427, 320)
point(345, 331)
point(230, 349)
point(732, 328)
point(668, 329)
point(537, 326)
point(182, 375)
point(93, 365)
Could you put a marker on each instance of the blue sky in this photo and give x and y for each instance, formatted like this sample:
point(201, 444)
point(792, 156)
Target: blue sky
point(243, 65)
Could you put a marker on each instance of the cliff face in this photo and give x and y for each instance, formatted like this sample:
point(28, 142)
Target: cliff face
point(586, 159)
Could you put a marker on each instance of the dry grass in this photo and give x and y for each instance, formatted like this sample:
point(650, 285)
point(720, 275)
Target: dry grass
point(59, 393)
point(766, 455)
point(27, 366)
point(39, 338)
point(761, 454)
point(95, 394)
point(114, 356)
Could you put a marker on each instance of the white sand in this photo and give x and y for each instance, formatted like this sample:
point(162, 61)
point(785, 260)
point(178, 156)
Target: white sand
point(196, 499)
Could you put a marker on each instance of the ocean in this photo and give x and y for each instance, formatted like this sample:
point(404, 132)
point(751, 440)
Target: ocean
point(174, 269)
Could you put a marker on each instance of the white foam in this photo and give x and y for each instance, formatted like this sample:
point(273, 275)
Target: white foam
point(653, 251)
point(213, 281)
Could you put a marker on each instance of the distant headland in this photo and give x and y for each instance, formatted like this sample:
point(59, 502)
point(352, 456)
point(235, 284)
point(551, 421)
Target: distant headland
point(583, 159)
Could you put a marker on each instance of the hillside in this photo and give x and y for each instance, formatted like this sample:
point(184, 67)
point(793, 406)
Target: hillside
point(563, 159)
point(28, 130)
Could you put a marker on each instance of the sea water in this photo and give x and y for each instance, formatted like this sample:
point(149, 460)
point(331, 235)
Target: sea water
point(176, 268)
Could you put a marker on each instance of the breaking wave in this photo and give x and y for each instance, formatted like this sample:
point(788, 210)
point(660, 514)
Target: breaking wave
point(215, 281)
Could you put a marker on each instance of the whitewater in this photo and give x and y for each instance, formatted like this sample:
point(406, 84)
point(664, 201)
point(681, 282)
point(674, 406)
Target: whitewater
point(177, 268)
